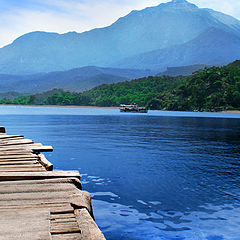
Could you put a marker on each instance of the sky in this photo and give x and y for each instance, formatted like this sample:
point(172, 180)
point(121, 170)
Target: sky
point(18, 17)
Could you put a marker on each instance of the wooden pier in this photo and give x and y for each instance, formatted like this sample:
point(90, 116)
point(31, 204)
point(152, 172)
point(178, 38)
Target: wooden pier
point(37, 203)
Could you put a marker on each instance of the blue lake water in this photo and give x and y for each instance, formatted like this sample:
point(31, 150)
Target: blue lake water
point(161, 175)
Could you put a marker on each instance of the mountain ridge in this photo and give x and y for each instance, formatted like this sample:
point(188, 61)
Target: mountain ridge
point(77, 79)
point(139, 32)
point(205, 44)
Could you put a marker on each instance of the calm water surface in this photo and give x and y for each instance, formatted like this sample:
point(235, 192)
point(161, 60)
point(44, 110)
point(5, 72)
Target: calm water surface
point(161, 175)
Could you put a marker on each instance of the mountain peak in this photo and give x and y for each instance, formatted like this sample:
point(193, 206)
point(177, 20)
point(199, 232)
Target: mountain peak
point(179, 1)
point(181, 4)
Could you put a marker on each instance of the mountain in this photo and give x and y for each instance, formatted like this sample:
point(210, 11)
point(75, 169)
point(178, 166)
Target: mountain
point(155, 30)
point(212, 47)
point(78, 79)
point(210, 89)
point(182, 70)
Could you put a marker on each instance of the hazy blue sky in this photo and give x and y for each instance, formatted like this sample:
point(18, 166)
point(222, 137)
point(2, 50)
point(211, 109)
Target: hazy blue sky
point(18, 17)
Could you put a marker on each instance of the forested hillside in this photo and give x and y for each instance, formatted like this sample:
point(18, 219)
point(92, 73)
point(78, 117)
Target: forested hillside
point(210, 89)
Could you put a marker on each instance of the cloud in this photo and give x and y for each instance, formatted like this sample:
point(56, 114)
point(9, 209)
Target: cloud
point(20, 17)
point(230, 7)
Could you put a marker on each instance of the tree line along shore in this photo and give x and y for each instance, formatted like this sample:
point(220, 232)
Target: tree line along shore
point(210, 89)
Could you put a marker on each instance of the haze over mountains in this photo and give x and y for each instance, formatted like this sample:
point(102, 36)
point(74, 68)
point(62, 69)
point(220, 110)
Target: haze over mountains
point(77, 79)
point(172, 34)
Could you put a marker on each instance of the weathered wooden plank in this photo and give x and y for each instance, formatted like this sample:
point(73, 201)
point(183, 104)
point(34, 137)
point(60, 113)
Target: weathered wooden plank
point(45, 162)
point(19, 156)
point(56, 181)
point(65, 220)
point(14, 138)
point(64, 224)
point(16, 142)
point(18, 197)
point(12, 188)
point(52, 206)
point(31, 175)
point(23, 170)
point(19, 162)
point(35, 149)
point(9, 151)
point(43, 175)
point(18, 147)
point(26, 166)
point(34, 201)
point(62, 216)
point(70, 236)
point(25, 224)
point(89, 229)
point(11, 136)
point(66, 230)
point(42, 149)
point(61, 210)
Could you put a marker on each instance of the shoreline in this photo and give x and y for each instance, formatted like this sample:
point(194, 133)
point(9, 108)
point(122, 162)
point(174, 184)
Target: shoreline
point(96, 107)
point(58, 106)
point(231, 111)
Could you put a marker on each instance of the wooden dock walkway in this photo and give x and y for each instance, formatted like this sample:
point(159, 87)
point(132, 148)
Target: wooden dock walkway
point(37, 203)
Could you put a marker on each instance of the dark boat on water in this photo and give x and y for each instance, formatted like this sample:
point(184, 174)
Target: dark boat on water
point(134, 108)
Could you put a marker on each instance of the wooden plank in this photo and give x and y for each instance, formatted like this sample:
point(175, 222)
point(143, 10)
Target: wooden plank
point(14, 139)
point(89, 229)
point(25, 224)
point(37, 182)
point(16, 151)
point(66, 220)
point(43, 149)
point(65, 230)
point(45, 162)
point(21, 146)
point(62, 216)
point(38, 196)
point(16, 142)
point(52, 206)
point(23, 170)
point(35, 165)
point(19, 162)
point(64, 224)
point(70, 236)
point(61, 211)
point(11, 136)
point(26, 188)
point(32, 148)
point(19, 156)
point(50, 174)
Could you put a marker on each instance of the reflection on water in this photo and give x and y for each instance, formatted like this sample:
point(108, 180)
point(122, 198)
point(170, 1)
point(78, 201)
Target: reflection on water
point(151, 176)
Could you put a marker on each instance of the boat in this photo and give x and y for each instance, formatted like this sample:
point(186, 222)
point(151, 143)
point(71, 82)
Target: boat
point(134, 108)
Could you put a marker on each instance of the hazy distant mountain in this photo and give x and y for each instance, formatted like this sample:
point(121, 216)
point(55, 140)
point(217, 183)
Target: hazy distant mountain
point(212, 47)
point(10, 95)
point(181, 71)
point(78, 79)
point(173, 27)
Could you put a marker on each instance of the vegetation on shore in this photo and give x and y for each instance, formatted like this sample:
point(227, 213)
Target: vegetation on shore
point(210, 89)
